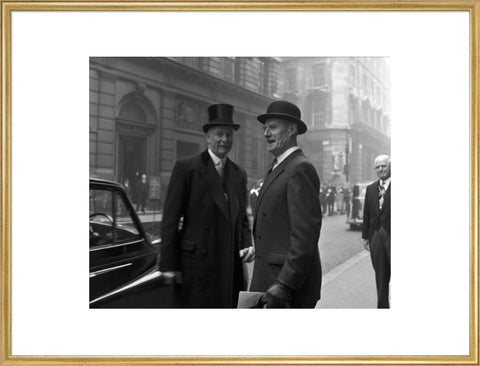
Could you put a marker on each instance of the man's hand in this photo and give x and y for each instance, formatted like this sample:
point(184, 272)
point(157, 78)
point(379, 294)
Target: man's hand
point(172, 277)
point(248, 254)
point(277, 296)
point(366, 244)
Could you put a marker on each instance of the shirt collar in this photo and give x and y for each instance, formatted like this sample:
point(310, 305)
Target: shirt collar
point(285, 155)
point(386, 183)
point(216, 159)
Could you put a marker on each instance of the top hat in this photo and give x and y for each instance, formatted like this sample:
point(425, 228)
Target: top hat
point(220, 115)
point(284, 110)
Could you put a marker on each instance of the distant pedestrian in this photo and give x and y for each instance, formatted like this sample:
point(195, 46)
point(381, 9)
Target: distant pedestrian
point(356, 203)
point(142, 194)
point(128, 188)
point(331, 200)
point(376, 228)
point(134, 186)
point(347, 197)
point(339, 201)
point(323, 199)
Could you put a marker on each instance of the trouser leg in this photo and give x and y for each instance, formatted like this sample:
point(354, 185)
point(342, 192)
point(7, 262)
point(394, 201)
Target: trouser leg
point(380, 254)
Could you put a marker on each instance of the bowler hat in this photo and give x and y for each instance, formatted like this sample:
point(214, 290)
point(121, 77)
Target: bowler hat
point(220, 115)
point(284, 110)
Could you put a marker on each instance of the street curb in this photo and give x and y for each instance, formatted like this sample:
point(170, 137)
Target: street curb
point(345, 266)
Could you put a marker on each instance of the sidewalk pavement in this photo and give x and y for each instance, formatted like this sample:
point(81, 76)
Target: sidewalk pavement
point(150, 216)
point(351, 285)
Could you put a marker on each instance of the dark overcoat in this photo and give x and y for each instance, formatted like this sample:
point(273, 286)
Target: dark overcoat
point(204, 226)
point(376, 228)
point(287, 224)
point(373, 217)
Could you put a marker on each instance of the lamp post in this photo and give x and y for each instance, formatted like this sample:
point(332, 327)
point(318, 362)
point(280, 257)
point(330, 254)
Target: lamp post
point(346, 168)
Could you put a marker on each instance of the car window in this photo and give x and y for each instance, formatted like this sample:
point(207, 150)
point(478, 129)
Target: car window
point(111, 222)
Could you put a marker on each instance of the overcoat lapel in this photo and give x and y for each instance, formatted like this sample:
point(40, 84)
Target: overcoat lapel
point(232, 176)
point(375, 197)
point(270, 177)
point(214, 183)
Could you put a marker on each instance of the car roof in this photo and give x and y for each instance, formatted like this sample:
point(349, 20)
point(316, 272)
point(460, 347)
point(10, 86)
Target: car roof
point(363, 184)
point(105, 182)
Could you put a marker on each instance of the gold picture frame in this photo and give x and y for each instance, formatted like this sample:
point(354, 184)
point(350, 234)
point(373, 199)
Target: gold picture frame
point(470, 6)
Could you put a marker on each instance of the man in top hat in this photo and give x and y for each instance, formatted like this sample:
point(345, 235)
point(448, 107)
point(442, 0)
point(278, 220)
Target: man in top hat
point(376, 227)
point(205, 229)
point(288, 217)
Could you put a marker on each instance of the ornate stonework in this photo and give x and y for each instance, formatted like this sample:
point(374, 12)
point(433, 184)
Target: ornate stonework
point(187, 114)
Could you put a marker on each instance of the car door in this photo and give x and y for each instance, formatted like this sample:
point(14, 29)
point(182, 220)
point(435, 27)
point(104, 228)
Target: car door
point(120, 252)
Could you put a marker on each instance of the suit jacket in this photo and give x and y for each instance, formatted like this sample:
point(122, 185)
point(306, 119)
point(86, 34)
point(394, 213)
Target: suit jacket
point(373, 217)
point(287, 224)
point(204, 226)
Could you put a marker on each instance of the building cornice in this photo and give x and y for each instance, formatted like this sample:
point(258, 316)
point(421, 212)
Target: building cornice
point(208, 79)
point(184, 72)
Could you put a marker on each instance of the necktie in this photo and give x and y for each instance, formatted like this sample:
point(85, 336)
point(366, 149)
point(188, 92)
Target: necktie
point(381, 194)
point(273, 164)
point(219, 167)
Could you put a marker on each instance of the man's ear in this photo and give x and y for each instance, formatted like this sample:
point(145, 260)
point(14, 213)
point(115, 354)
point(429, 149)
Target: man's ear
point(293, 129)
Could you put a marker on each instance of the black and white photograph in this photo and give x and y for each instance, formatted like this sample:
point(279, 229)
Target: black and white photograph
point(238, 159)
point(212, 177)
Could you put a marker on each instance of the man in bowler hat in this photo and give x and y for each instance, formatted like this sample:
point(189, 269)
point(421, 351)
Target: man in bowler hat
point(376, 227)
point(205, 229)
point(288, 217)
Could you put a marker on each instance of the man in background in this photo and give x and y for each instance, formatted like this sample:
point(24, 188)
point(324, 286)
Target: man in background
point(376, 228)
point(142, 194)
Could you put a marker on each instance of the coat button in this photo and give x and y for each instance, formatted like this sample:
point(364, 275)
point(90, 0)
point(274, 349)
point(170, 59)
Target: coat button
point(204, 251)
point(264, 213)
point(204, 227)
point(259, 236)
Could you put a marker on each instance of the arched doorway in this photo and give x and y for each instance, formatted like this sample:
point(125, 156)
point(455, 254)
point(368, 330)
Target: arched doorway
point(135, 125)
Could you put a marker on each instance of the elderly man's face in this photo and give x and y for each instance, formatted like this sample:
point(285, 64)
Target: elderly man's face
point(382, 168)
point(278, 135)
point(220, 140)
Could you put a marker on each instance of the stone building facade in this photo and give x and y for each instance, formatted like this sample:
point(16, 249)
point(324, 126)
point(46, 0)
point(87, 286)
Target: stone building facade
point(345, 102)
point(145, 113)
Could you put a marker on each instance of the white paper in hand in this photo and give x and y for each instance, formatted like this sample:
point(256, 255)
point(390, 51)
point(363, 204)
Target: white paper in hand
point(248, 299)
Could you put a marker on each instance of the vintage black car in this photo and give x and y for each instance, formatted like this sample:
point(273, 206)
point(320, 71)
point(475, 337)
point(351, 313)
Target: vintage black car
point(355, 219)
point(123, 258)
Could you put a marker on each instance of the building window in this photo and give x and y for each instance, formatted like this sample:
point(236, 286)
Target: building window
point(352, 76)
point(365, 112)
point(291, 80)
point(318, 75)
point(132, 111)
point(364, 84)
point(319, 115)
point(353, 112)
point(239, 61)
point(228, 68)
point(194, 62)
point(263, 78)
point(378, 96)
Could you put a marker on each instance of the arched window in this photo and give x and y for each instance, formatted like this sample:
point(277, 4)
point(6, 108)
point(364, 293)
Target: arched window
point(133, 111)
